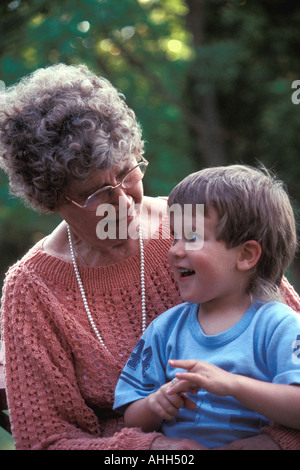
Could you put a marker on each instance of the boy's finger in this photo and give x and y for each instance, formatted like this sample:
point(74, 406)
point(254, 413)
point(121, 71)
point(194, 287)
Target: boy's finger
point(180, 386)
point(182, 364)
point(188, 403)
point(194, 379)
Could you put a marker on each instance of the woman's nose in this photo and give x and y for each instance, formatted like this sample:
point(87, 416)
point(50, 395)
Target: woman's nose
point(121, 198)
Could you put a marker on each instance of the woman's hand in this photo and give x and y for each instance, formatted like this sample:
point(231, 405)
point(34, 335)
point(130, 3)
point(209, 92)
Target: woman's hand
point(172, 443)
point(259, 442)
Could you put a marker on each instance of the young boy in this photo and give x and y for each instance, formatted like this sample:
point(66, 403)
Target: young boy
point(238, 346)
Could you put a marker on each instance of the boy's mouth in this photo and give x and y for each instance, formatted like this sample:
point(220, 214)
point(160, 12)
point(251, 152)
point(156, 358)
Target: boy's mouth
point(183, 272)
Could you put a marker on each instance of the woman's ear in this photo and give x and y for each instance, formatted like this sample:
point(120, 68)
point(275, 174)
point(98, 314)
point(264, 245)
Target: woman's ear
point(249, 255)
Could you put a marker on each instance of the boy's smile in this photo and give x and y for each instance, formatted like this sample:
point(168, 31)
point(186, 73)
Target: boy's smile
point(183, 272)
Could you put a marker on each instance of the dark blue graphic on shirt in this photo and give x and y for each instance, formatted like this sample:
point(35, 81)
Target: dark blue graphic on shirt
point(136, 355)
point(142, 356)
point(134, 382)
point(146, 361)
point(296, 351)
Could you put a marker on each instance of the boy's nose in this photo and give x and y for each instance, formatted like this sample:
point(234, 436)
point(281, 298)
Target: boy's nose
point(177, 250)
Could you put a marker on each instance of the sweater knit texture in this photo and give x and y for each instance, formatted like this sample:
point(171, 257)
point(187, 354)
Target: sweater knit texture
point(60, 381)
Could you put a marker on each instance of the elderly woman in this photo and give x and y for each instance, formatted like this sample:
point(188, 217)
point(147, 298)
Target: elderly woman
point(75, 306)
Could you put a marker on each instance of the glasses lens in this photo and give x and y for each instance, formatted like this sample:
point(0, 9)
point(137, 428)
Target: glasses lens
point(96, 199)
point(132, 178)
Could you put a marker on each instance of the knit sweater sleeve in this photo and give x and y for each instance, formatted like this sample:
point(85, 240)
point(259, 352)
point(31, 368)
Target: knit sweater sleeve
point(47, 410)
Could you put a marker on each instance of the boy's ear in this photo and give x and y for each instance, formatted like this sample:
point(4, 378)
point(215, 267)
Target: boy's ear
point(249, 255)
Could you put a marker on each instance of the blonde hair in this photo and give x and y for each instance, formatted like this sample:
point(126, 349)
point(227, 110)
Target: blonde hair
point(251, 205)
point(59, 123)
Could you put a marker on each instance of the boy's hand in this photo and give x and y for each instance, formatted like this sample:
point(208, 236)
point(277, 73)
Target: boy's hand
point(202, 375)
point(167, 406)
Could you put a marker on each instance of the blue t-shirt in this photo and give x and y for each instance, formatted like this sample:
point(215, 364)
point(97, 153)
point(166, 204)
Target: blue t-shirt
point(264, 344)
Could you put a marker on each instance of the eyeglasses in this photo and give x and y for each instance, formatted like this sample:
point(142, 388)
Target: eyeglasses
point(103, 195)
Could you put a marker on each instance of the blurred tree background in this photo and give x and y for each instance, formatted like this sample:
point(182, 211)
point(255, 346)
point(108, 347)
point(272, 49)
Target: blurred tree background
point(210, 82)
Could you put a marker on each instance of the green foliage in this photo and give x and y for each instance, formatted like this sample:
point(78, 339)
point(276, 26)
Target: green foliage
point(6, 441)
point(20, 227)
point(210, 82)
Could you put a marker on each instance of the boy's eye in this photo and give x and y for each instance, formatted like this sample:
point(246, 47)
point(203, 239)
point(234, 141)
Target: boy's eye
point(192, 237)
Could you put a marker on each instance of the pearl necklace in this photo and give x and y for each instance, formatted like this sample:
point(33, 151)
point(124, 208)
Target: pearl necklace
point(79, 281)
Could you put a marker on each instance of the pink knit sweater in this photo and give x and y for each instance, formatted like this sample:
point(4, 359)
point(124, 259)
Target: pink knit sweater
point(60, 381)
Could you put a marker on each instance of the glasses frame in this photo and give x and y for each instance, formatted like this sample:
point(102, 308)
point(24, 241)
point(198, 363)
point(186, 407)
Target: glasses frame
point(109, 187)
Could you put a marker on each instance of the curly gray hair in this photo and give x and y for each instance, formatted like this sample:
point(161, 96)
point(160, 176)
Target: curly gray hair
point(61, 123)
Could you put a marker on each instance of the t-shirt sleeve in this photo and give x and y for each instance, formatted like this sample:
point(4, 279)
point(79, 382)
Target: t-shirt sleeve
point(144, 372)
point(283, 351)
